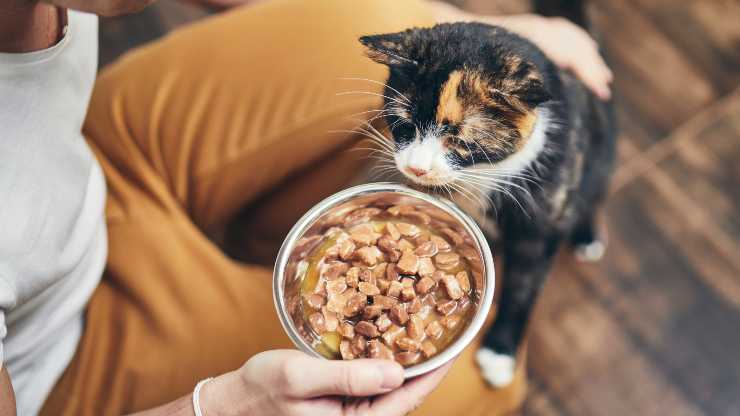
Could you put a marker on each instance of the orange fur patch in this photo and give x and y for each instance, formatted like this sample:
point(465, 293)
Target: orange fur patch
point(450, 108)
point(476, 129)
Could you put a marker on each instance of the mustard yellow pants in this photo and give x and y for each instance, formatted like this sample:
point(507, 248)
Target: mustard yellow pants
point(233, 113)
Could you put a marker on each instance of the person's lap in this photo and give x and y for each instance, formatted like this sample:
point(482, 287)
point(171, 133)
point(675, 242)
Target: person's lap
point(231, 112)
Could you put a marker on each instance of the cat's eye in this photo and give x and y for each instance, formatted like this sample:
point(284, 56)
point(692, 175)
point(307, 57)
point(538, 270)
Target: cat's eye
point(404, 131)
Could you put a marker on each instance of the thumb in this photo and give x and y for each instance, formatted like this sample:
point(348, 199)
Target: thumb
point(307, 377)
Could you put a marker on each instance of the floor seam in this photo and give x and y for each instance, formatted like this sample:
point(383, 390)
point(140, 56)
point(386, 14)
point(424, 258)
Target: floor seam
point(650, 157)
point(696, 217)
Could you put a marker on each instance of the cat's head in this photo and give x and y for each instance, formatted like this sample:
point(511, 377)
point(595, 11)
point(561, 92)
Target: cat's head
point(460, 97)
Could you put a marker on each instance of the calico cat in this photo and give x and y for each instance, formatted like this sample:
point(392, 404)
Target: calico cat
point(480, 115)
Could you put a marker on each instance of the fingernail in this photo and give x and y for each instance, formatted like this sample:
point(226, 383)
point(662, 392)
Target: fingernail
point(392, 375)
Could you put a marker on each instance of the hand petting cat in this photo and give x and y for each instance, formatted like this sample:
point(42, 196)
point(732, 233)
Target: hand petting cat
point(566, 44)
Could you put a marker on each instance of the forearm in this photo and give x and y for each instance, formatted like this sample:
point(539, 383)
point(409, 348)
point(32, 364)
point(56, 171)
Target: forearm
point(180, 407)
point(224, 395)
point(7, 397)
point(27, 25)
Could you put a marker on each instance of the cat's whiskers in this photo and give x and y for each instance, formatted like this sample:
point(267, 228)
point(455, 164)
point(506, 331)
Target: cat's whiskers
point(473, 195)
point(395, 100)
point(405, 98)
point(388, 111)
point(500, 180)
point(497, 186)
point(378, 134)
point(375, 110)
point(495, 175)
point(384, 171)
point(372, 133)
point(384, 145)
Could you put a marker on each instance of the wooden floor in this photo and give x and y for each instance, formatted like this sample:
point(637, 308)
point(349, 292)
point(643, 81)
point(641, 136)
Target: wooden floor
point(654, 329)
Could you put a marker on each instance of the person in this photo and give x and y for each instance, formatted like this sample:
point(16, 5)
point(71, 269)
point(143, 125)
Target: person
point(113, 298)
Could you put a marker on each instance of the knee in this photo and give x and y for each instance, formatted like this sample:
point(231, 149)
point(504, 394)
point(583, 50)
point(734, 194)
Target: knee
point(379, 16)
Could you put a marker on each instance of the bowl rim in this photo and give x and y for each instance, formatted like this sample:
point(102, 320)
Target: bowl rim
point(302, 225)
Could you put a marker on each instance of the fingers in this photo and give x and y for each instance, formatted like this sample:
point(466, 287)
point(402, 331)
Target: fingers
point(585, 60)
point(594, 73)
point(303, 377)
point(410, 396)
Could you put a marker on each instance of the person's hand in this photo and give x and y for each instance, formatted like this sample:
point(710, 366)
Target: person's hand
point(288, 382)
point(566, 44)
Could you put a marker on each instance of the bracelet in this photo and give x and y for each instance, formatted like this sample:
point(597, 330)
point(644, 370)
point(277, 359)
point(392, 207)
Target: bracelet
point(196, 396)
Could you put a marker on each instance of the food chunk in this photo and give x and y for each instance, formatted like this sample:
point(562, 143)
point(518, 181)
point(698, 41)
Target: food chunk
point(393, 283)
point(452, 287)
point(367, 329)
point(409, 263)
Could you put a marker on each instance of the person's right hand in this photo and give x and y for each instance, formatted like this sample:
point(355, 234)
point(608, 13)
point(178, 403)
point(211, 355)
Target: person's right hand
point(289, 382)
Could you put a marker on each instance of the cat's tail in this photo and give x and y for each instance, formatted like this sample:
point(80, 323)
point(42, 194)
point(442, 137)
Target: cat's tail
point(573, 10)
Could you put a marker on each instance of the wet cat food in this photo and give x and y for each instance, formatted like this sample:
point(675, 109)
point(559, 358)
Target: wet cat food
point(389, 283)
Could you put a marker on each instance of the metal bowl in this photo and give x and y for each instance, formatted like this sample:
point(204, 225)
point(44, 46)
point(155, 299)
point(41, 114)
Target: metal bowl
point(291, 262)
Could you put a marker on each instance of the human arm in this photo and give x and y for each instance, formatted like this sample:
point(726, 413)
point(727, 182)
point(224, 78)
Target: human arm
point(566, 44)
point(288, 382)
point(7, 397)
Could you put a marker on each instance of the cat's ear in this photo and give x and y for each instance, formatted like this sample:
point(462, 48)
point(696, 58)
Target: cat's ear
point(388, 49)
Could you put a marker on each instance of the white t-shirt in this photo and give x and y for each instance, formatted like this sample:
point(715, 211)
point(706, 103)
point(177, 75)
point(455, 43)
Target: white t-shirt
point(53, 242)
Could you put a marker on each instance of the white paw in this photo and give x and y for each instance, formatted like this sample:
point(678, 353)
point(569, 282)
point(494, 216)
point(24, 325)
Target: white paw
point(496, 369)
point(591, 252)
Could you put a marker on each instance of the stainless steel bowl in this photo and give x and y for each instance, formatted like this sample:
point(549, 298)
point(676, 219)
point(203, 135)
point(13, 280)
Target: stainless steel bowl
point(290, 262)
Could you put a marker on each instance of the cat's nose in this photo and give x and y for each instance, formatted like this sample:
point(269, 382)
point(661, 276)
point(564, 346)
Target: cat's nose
point(416, 171)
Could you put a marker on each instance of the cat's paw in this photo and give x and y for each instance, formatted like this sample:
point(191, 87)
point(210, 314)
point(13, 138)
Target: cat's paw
point(591, 252)
point(496, 369)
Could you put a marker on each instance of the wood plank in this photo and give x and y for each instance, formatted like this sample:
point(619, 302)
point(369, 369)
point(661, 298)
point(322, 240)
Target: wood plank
point(706, 32)
point(706, 168)
point(541, 402)
point(640, 163)
point(644, 323)
point(586, 359)
point(652, 76)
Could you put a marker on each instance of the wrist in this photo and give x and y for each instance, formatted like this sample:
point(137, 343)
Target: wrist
point(225, 395)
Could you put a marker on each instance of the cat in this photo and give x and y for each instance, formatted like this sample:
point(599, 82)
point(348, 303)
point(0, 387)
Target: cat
point(480, 115)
